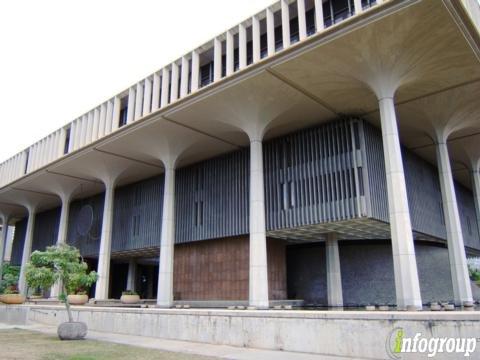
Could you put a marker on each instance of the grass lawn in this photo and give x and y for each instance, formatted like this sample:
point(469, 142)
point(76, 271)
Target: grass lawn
point(26, 345)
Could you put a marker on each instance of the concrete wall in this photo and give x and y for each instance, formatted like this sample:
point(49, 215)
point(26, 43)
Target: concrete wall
point(347, 333)
point(367, 273)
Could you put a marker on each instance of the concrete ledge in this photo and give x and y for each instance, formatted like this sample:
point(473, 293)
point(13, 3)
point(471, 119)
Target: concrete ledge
point(14, 315)
point(343, 333)
point(202, 304)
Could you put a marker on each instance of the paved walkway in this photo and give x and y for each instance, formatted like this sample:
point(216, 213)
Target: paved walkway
point(220, 351)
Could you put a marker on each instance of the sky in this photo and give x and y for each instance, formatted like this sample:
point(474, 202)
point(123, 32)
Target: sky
point(59, 59)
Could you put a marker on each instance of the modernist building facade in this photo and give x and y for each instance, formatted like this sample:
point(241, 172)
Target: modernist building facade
point(324, 151)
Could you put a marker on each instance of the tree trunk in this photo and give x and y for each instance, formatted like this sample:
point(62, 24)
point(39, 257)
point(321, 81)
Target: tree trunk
point(67, 305)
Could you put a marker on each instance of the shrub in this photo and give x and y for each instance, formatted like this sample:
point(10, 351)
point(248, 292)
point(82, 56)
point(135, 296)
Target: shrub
point(474, 268)
point(61, 263)
point(9, 279)
point(129, 292)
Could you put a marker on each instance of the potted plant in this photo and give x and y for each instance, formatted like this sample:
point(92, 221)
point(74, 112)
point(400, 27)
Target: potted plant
point(9, 293)
point(129, 297)
point(474, 272)
point(62, 264)
point(77, 296)
point(11, 296)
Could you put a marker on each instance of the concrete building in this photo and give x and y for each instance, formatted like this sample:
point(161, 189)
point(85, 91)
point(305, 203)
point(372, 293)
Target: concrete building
point(324, 151)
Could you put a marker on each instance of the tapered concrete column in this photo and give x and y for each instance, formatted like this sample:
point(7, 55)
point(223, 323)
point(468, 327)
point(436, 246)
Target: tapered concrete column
point(256, 38)
point(462, 290)
point(334, 274)
point(167, 242)
point(404, 262)
point(132, 275)
point(271, 32)
point(27, 249)
point(242, 46)
point(63, 225)
point(302, 21)
point(131, 105)
point(319, 24)
point(285, 23)
point(217, 59)
point(3, 240)
point(62, 235)
point(476, 194)
point(103, 269)
point(258, 274)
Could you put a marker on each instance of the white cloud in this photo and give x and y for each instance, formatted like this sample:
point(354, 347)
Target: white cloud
point(61, 58)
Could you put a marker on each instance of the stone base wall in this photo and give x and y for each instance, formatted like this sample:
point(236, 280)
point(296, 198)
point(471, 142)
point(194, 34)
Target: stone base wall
point(351, 334)
point(218, 270)
point(367, 273)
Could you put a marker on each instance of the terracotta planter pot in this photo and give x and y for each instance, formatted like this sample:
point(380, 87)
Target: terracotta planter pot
point(12, 299)
point(130, 299)
point(77, 299)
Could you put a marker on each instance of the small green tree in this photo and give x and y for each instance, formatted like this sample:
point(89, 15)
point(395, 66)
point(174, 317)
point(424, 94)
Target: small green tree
point(61, 263)
point(9, 279)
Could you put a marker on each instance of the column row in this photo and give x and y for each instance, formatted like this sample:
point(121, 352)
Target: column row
point(403, 250)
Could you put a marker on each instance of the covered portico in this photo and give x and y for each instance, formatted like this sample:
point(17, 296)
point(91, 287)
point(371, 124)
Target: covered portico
point(395, 65)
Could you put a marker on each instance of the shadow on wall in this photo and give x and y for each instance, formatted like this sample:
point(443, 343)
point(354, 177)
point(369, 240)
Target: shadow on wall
point(367, 273)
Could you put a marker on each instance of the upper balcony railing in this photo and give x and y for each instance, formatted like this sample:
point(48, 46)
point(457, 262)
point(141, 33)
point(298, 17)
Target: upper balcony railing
point(263, 35)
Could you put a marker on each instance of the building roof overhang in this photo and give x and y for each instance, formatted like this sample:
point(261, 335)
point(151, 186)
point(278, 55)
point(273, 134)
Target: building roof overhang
point(424, 51)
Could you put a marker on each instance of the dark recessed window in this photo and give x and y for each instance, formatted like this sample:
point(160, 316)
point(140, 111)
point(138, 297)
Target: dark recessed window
point(27, 155)
point(123, 117)
point(67, 141)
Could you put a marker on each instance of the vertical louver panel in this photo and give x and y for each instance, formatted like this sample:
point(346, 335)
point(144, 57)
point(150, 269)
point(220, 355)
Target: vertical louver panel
point(466, 208)
point(310, 176)
point(423, 191)
point(212, 198)
point(137, 215)
point(18, 242)
point(46, 229)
